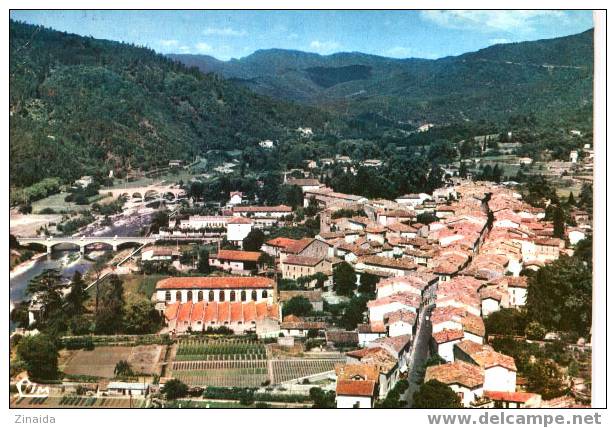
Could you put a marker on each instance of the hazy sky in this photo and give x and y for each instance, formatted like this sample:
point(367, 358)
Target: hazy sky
point(235, 34)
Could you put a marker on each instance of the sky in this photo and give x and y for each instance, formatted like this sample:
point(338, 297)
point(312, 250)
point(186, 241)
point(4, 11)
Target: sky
point(235, 34)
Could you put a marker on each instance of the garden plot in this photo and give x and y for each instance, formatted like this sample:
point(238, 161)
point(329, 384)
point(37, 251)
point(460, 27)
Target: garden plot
point(102, 360)
point(226, 363)
point(286, 370)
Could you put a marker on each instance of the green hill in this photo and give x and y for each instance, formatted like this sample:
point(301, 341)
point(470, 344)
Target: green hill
point(80, 105)
point(550, 79)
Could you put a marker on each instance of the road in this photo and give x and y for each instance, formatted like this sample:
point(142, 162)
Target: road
point(419, 354)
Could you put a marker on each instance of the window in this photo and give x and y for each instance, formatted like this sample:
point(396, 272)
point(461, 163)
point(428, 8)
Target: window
point(232, 296)
point(189, 296)
point(243, 295)
point(200, 296)
point(178, 296)
point(211, 296)
point(254, 295)
point(167, 296)
point(264, 294)
point(221, 296)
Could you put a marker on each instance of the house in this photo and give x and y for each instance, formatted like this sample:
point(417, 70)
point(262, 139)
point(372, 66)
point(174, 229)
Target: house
point(307, 247)
point(386, 265)
point(413, 199)
point(306, 184)
point(378, 308)
point(314, 297)
point(84, 181)
point(176, 163)
point(445, 341)
point(383, 360)
point(235, 198)
point(499, 369)
point(198, 222)
point(400, 323)
point(399, 347)
point(266, 144)
point(238, 262)
point(356, 386)
point(294, 267)
point(465, 379)
point(514, 400)
point(275, 246)
point(369, 332)
point(262, 211)
point(292, 325)
point(341, 338)
point(517, 287)
point(159, 254)
point(128, 388)
point(238, 228)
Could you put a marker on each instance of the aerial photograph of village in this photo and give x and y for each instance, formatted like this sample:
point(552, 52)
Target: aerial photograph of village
point(231, 209)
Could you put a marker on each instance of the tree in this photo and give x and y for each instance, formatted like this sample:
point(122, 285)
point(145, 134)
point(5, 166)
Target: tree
point(203, 265)
point(544, 377)
point(254, 240)
point(367, 283)
point(571, 200)
point(110, 313)
point(19, 314)
point(174, 389)
point(353, 312)
point(293, 196)
point(506, 321)
point(297, 305)
point(344, 279)
point(583, 250)
point(586, 197)
point(535, 331)
point(435, 395)
point(40, 355)
point(160, 219)
point(142, 318)
point(77, 296)
point(123, 369)
point(559, 222)
point(560, 296)
point(322, 399)
point(46, 290)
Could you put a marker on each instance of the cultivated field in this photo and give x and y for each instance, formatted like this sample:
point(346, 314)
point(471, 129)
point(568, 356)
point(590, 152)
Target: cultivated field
point(286, 370)
point(76, 402)
point(205, 349)
point(102, 360)
point(229, 362)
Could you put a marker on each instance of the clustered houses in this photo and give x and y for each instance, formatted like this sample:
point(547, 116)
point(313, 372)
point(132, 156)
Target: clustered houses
point(462, 267)
point(242, 304)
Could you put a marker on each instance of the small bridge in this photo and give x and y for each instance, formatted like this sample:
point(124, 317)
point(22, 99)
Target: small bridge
point(83, 241)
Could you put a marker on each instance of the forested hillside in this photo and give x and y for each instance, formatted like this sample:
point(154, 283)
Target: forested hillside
point(80, 106)
point(548, 79)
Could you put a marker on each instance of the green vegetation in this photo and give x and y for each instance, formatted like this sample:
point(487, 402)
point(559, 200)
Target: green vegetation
point(297, 305)
point(174, 389)
point(40, 355)
point(490, 84)
point(435, 395)
point(84, 106)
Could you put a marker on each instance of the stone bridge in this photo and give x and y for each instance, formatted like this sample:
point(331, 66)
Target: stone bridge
point(84, 241)
point(155, 192)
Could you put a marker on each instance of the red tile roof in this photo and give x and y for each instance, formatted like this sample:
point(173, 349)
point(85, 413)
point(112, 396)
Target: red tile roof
point(459, 372)
point(447, 335)
point(281, 242)
point(240, 256)
point(512, 397)
point(198, 311)
point(355, 388)
point(239, 220)
point(252, 209)
point(301, 260)
point(214, 282)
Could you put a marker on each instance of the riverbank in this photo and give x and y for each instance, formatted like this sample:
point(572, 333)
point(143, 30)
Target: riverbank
point(24, 266)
